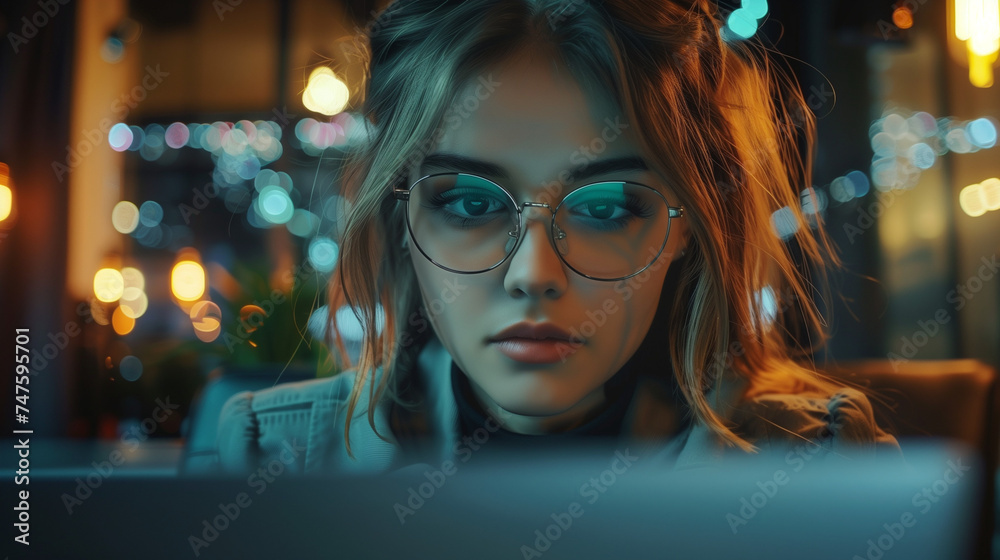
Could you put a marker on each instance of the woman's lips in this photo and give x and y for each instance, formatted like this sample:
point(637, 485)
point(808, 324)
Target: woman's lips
point(536, 343)
point(535, 351)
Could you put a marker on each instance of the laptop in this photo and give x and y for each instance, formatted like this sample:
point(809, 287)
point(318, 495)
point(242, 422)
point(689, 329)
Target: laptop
point(568, 504)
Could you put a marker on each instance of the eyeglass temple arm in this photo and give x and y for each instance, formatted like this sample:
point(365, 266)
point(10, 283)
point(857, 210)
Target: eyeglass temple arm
point(401, 191)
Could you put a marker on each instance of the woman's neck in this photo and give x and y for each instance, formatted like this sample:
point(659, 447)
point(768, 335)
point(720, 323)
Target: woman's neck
point(579, 414)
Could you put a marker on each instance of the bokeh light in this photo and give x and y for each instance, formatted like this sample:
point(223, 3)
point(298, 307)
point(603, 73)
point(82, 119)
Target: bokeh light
point(234, 141)
point(6, 194)
point(325, 93)
point(98, 312)
point(187, 281)
point(902, 17)
point(133, 278)
point(157, 236)
point(860, 182)
point(767, 304)
point(317, 323)
point(922, 124)
point(303, 127)
point(742, 23)
point(323, 254)
point(138, 138)
point(254, 218)
point(973, 200)
point(265, 178)
point(756, 8)
point(957, 140)
point(981, 67)
point(150, 214)
point(252, 317)
point(895, 125)
point(211, 140)
point(247, 167)
point(108, 285)
point(921, 155)
point(284, 180)
point(192, 138)
point(324, 135)
point(206, 318)
point(883, 144)
point(122, 323)
point(885, 173)
point(112, 50)
point(982, 132)
point(177, 135)
point(133, 302)
point(6, 202)
point(349, 326)
point(154, 135)
point(125, 217)
point(990, 193)
point(842, 189)
point(274, 205)
point(784, 222)
point(120, 137)
point(303, 223)
point(812, 201)
point(130, 368)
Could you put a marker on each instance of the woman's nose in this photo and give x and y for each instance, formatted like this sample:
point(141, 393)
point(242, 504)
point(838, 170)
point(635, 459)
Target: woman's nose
point(535, 269)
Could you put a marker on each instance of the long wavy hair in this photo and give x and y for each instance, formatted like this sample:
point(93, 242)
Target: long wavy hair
point(725, 126)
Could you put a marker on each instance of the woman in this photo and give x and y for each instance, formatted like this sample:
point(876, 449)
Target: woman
point(563, 214)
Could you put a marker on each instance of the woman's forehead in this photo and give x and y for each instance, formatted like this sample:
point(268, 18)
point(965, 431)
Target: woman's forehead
point(533, 113)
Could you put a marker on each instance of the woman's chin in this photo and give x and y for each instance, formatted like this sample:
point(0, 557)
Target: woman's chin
point(534, 405)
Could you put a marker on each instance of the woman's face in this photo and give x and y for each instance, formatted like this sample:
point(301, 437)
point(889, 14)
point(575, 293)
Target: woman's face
point(532, 121)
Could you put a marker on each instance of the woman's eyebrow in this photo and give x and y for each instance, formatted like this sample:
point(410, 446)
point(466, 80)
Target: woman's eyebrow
point(610, 165)
point(463, 163)
point(577, 173)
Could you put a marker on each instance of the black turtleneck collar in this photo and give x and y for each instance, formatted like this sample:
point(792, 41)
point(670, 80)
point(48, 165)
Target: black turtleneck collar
point(618, 391)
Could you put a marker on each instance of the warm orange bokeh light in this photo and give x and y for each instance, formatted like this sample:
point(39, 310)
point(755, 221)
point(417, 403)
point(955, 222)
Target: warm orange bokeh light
point(206, 318)
point(325, 93)
point(187, 281)
point(981, 69)
point(902, 17)
point(122, 323)
point(108, 285)
point(977, 23)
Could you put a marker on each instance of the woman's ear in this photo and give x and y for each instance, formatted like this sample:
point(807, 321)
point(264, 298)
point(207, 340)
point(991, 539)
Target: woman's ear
point(682, 245)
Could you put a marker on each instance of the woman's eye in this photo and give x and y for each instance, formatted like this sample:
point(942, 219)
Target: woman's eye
point(475, 206)
point(604, 210)
point(468, 203)
point(601, 209)
point(472, 204)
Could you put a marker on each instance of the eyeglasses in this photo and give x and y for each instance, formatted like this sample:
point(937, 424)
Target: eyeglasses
point(610, 230)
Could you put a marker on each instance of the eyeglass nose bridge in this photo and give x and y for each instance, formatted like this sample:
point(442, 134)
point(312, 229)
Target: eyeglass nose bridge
point(537, 205)
point(557, 232)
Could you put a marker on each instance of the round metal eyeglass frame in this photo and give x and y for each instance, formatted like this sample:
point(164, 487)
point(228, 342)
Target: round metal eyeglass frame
point(402, 193)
